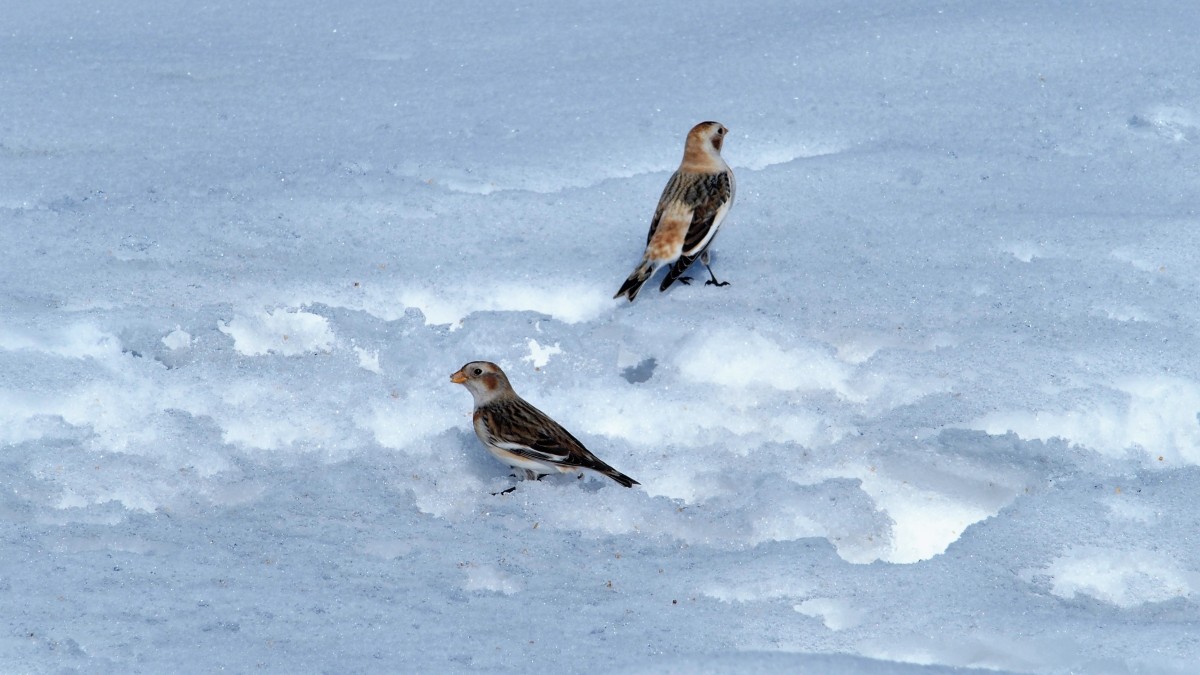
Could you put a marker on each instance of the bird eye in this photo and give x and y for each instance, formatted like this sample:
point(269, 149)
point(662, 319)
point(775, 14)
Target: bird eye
point(479, 371)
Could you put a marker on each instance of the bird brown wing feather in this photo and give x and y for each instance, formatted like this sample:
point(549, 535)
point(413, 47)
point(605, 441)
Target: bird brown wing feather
point(707, 197)
point(516, 423)
point(537, 437)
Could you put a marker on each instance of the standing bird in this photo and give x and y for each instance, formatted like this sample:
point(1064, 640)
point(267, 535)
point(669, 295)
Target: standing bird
point(690, 211)
point(519, 434)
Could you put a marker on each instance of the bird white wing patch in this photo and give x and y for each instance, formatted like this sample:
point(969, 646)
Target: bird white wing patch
point(525, 450)
point(712, 231)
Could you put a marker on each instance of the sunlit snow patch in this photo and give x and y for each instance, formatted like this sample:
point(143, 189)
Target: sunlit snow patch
point(1159, 419)
point(281, 331)
point(648, 418)
point(539, 356)
point(489, 578)
point(368, 360)
point(177, 339)
point(403, 423)
point(1122, 578)
point(77, 341)
point(741, 358)
point(834, 613)
point(570, 304)
point(924, 522)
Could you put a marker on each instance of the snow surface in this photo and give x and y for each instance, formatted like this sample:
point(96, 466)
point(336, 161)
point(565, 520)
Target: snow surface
point(944, 417)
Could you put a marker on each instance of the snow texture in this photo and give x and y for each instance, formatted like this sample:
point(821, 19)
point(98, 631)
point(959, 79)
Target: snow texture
point(945, 416)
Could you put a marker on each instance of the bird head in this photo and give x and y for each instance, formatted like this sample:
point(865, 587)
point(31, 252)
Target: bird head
point(484, 380)
point(702, 151)
point(710, 134)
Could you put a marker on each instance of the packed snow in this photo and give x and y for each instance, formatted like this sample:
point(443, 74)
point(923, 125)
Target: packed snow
point(945, 417)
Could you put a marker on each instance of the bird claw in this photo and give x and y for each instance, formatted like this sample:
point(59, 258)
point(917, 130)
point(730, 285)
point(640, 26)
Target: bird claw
point(710, 282)
point(686, 281)
point(504, 492)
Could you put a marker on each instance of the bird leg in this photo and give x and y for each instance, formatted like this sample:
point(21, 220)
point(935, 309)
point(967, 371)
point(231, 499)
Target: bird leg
point(713, 281)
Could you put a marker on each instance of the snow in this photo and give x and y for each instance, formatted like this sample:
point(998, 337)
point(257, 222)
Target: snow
point(945, 417)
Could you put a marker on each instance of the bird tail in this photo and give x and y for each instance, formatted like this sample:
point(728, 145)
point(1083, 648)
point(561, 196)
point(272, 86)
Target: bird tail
point(634, 283)
point(677, 271)
point(612, 473)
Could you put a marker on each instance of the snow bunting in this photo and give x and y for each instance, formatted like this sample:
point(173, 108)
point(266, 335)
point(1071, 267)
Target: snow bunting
point(519, 434)
point(689, 213)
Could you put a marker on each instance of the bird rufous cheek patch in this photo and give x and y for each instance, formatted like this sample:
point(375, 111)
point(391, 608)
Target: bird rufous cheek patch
point(490, 381)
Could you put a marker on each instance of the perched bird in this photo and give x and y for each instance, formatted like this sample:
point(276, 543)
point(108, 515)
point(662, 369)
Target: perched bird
point(690, 211)
point(519, 434)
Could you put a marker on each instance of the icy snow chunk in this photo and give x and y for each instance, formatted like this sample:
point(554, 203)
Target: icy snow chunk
point(402, 424)
point(931, 498)
point(177, 339)
point(265, 416)
point(1160, 419)
point(281, 331)
point(77, 341)
point(368, 360)
point(834, 613)
point(1122, 578)
point(859, 346)
point(539, 356)
point(121, 415)
point(741, 358)
point(489, 578)
point(648, 418)
point(570, 303)
point(924, 522)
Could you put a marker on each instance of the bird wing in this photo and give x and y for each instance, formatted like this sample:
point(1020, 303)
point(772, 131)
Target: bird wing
point(671, 193)
point(710, 198)
point(525, 431)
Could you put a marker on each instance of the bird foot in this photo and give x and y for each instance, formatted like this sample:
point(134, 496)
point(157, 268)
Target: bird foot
point(713, 282)
point(686, 281)
point(504, 492)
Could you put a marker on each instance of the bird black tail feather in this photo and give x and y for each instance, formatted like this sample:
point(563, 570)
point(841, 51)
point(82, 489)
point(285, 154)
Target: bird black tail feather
point(596, 464)
point(677, 271)
point(618, 476)
point(633, 284)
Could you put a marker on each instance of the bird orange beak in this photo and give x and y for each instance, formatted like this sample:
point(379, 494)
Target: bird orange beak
point(458, 378)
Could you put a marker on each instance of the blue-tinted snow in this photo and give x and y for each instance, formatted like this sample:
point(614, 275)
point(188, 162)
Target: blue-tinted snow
point(944, 417)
